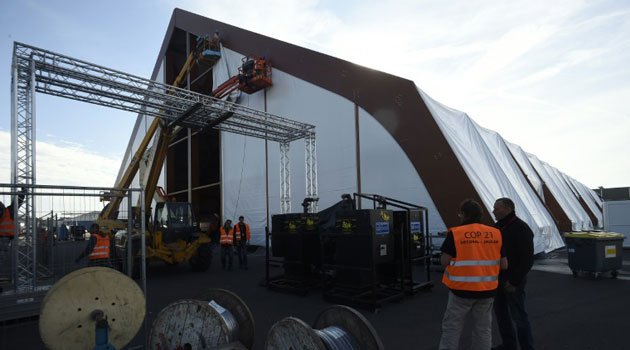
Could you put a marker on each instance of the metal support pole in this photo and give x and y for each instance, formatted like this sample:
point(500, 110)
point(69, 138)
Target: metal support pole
point(285, 178)
point(14, 122)
point(189, 132)
point(310, 157)
point(144, 243)
point(129, 231)
point(52, 252)
point(14, 133)
point(427, 244)
point(143, 259)
point(33, 180)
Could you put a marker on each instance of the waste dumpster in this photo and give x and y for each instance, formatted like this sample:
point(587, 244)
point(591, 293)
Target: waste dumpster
point(595, 252)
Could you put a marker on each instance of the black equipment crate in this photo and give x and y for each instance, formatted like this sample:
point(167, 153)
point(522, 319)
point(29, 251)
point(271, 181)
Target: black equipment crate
point(410, 249)
point(595, 252)
point(295, 247)
point(359, 238)
point(359, 245)
point(295, 237)
point(414, 232)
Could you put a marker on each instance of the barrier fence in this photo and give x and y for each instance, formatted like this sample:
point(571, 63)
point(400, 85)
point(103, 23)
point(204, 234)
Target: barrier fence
point(50, 239)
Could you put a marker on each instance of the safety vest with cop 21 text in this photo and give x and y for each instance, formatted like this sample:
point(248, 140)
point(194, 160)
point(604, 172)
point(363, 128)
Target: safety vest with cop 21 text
point(6, 225)
point(478, 258)
point(101, 249)
point(226, 238)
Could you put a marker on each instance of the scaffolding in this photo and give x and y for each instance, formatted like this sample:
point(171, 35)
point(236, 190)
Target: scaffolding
point(38, 70)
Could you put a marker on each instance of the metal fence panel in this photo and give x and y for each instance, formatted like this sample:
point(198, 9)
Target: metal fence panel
point(45, 248)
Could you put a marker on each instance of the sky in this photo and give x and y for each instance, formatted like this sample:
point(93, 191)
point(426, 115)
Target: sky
point(552, 77)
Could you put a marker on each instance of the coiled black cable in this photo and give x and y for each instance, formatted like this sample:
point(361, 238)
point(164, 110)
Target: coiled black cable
point(335, 338)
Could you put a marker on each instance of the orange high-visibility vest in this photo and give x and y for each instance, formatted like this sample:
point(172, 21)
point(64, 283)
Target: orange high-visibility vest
point(238, 232)
point(226, 238)
point(6, 225)
point(101, 249)
point(478, 260)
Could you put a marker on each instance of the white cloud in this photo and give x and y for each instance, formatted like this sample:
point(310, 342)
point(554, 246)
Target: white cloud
point(64, 164)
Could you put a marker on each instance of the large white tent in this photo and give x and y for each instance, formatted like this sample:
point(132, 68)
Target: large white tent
point(376, 133)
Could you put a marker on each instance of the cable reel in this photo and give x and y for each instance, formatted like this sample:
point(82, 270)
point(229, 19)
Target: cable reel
point(336, 328)
point(90, 308)
point(215, 319)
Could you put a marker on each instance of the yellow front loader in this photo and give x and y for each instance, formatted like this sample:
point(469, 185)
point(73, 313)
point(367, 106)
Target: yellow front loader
point(172, 234)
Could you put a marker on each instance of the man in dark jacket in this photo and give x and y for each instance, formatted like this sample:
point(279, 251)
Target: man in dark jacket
point(509, 303)
point(242, 241)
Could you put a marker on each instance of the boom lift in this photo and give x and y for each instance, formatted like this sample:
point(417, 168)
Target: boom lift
point(254, 74)
point(172, 236)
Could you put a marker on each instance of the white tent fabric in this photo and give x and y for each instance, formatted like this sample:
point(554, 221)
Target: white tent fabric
point(493, 172)
point(242, 159)
point(379, 152)
point(569, 184)
point(567, 201)
point(584, 192)
point(575, 204)
point(535, 180)
point(595, 197)
point(243, 167)
point(527, 168)
point(333, 117)
point(550, 236)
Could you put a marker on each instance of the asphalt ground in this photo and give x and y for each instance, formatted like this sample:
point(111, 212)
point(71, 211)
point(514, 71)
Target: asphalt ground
point(565, 312)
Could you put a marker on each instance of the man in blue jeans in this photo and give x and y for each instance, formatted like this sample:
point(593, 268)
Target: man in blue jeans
point(509, 302)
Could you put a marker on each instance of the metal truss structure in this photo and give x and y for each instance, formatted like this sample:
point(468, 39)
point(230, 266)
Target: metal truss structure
point(310, 154)
point(23, 172)
point(38, 70)
point(285, 178)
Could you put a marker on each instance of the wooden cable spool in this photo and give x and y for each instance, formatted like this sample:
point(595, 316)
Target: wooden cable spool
point(215, 319)
point(66, 320)
point(336, 328)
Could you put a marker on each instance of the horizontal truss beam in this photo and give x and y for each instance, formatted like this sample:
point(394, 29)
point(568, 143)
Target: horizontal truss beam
point(67, 77)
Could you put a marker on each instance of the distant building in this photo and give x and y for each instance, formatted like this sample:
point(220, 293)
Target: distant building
point(613, 194)
point(84, 220)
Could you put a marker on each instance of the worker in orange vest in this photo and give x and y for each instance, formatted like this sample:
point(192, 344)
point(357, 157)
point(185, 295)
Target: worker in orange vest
point(242, 236)
point(259, 66)
point(7, 231)
point(227, 244)
point(473, 256)
point(215, 42)
point(98, 249)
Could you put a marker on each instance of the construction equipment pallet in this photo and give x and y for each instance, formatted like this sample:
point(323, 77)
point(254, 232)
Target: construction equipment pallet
point(413, 287)
point(365, 298)
point(293, 286)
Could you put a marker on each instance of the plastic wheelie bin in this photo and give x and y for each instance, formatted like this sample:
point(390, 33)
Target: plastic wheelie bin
point(595, 252)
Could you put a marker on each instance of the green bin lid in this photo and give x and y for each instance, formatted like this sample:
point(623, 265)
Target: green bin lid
point(594, 235)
